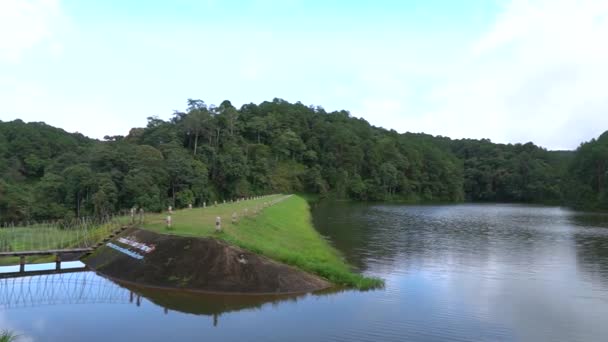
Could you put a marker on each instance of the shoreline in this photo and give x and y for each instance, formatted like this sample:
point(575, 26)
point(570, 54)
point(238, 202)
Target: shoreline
point(283, 234)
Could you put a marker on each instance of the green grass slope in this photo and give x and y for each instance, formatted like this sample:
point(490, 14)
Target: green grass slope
point(282, 232)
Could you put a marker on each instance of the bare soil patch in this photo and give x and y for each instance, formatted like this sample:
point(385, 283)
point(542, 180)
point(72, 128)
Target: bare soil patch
point(199, 264)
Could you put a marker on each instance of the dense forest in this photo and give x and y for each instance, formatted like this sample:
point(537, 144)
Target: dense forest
point(216, 152)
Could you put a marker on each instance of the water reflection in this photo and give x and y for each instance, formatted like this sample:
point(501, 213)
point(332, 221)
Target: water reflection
point(453, 273)
point(67, 288)
point(538, 272)
point(591, 239)
point(38, 306)
point(89, 288)
point(392, 237)
point(208, 304)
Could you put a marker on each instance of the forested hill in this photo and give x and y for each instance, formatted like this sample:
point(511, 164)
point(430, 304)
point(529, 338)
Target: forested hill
point(209, 152)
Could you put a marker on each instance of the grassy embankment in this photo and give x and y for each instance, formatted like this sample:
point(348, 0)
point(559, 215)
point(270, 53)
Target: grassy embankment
point(282, 232)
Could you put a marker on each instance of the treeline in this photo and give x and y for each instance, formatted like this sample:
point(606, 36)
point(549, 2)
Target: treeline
point(587, 186)
point(213, 152)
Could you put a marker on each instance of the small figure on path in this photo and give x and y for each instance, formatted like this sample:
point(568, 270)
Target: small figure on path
point(218, 224)
point(204, 204)
point(170, 210)
point(190, 206)
point(216, 203)
point(169, 221)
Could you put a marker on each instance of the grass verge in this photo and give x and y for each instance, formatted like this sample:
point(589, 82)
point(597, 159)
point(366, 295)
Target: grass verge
point(282, 232)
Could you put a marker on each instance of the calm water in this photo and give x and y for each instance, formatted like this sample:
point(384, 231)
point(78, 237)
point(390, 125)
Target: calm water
point(453, 273)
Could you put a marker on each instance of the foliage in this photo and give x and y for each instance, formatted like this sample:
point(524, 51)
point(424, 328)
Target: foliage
point(209, 153)
point(587, 185)
point(8, 336)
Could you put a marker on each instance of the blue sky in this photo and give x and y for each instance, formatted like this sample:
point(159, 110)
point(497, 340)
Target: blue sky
point(511, 71)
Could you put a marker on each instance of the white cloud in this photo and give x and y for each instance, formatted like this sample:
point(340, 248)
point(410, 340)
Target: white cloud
point(542, 67)
point(26, 23)
point(538, 74)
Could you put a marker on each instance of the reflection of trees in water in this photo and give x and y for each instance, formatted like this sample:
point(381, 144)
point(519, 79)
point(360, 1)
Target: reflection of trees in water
point(592, 255)
point(591, 241)
point(347, 226)
point(589, 219)
point(395, 235)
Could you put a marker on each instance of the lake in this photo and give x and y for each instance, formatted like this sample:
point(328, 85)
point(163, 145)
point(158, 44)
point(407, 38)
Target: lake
point(453, 273)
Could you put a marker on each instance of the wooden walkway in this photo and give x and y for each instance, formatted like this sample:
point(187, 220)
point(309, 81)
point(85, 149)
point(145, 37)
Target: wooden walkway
point(46, 252)
point(59, 252)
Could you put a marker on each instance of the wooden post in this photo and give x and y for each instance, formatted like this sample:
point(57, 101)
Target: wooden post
point(58, 261)
point(22, 263)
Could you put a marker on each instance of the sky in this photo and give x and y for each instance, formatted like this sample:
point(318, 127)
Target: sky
point(511, 71)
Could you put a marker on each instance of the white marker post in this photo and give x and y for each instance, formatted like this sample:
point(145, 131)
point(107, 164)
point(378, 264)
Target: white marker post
point(218, 224)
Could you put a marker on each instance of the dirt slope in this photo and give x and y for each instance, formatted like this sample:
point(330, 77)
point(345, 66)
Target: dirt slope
point(203, 264)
